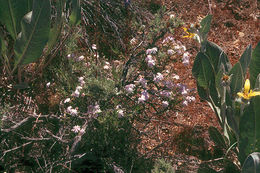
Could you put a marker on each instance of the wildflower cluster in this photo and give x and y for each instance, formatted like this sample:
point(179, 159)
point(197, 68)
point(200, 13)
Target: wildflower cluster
point(176, 49)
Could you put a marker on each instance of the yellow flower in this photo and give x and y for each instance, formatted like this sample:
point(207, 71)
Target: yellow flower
point(247, 93)
point(190, 34)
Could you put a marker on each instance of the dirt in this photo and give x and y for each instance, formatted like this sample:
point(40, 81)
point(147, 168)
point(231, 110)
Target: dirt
point(182, 136)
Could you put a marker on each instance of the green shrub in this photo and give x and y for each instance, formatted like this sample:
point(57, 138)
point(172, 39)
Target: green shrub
point(162, 166)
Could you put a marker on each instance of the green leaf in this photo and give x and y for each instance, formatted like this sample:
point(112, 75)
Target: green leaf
point(245, 59)
point(223, 59)
point(57, 26)
point(217, 56)
point(232, 122)
point(35, 33)
point(75, 16)
point(214, 93)
point(237, 79)
point(202, 92)
point(11, 13)
point(217, 137)
point(257, 83)
point(205, 26)
point(203, 71)
point(218, 81)
point(254, 67)
point(252, 163)
point(2, 45)
point(249, 127)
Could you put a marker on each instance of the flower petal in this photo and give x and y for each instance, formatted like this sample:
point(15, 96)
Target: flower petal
point(253, 94)
point(245, 96)
point(247, 86)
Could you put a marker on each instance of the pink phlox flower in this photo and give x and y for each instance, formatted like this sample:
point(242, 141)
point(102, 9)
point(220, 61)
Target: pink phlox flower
point(151, 63)
point(94, 46)
point(129, 88)
point(94, 109)
point(170, 52)
point(167, 39)
point(183, 89)
point(151, 51)
point(144, 97)
point(76, 129)
point(80, 58)
point(175, 76)
point(72, 55)
point(185, 103)
point(168, 84)
point(148, 58)
point(67, 100)
point(81, 79)
point(120, 113)
point(186, 58)
point(165, 93)
point(158, 77)
point(190, 98)
point(72, 111)
point(165, 104)
point(143, 82)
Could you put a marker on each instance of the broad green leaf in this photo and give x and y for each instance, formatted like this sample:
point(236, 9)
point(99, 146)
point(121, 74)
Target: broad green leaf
point(245, 59)
point(75, 16)
point(11, 13)
point(216, 56)
point(202, 93)
point(35, 33)
point(252, 163)
point(217, 137)
point(257, 83)
point(3, 46)
point(223, 59)
point(256, 101)
point(214, 93)
point(249, 127)
point(218, 81)
point(237, 79)
point(202, 70)
point(254, 67)
point(232, 122)
point(56, 29)
point(205, 26)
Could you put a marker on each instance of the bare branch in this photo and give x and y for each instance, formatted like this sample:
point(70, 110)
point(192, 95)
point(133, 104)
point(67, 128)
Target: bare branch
point(56, 137)
point(16, 125)
point(36, 139)
point(15, 148)
point(78, 138)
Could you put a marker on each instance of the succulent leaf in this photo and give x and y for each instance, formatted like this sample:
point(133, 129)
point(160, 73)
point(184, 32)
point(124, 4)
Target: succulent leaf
point(252, 163)
point(35, 33)
point(254, 67)
point(237, 80)
point(245, 59)
point(249, 137)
